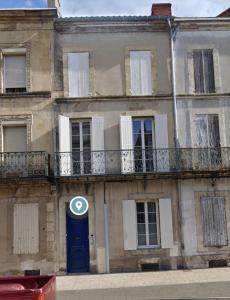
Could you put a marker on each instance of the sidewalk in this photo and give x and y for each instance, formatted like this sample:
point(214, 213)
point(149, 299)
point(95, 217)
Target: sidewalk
point(188, 284)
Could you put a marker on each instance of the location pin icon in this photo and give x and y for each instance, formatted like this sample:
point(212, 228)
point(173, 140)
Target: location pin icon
point(79, 205)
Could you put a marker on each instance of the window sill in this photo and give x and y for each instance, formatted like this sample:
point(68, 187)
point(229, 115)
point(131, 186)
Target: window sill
point(26, 94)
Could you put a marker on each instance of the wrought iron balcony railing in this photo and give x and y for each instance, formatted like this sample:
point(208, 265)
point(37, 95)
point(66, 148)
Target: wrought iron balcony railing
point(138, 161)
point(24, 164)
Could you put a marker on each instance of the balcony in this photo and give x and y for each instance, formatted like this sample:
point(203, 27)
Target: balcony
point(161, 162)
point(24, 164)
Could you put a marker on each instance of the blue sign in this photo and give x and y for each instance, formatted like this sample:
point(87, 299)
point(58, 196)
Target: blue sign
point(79, 206)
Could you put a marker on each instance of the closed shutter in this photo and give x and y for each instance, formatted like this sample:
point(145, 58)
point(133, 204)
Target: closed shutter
point(141, 72)
point(15, 71)
point(198, 71)
point(78, 66)
point(161, 136)
point(209, 71)
point(14, 139)
point(126, 135)
point(214, 221)
point(129, 224)
point(26, 228)
point(166, 225)
point(98, 153)
point(64, 147)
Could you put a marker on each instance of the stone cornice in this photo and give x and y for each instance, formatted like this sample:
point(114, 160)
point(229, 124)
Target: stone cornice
point(203, 25)
point(27, 15)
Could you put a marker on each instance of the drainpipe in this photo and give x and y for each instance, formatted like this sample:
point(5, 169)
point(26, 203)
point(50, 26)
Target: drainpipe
point(173, 32)
point(106, 226)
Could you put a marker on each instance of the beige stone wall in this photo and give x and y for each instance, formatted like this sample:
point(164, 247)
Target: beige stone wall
point(109, 59)
point(115, 193)
point(36, 192)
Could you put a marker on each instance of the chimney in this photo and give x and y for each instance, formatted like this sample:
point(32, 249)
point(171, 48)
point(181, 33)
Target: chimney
point(54, 4)
point(161, 9)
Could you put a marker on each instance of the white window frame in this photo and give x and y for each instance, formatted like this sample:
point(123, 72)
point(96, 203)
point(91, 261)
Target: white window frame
point(81, 121)
point(143, 140)
point(147, 223)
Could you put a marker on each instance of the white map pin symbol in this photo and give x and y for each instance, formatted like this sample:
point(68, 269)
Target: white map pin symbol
point(78, 205)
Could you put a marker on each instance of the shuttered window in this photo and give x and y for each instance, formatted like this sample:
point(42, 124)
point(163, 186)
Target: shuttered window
point(204, 71)
point(214, 221)
point(14, 73)
point(78, 70)
point(141, 73)
point(26, 228)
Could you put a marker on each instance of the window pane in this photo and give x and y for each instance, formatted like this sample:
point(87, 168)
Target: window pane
point(151, 206)
point(141, 240)
point(86, 128)
point(148, 126)
point(214, 134)
point(137, 140)
point(152, 217)
point(152, 228)
point(209, 71)
point(141, 228)
point(153, 239)
point(148, 140)
point(198, 71)
point(137, 126)
point(75, 129)
point(140, 218)
point(140, 207)
point(76, 142)
point(86, 141)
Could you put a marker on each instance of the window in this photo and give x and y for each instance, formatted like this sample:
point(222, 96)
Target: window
point(214, 221)
point(81, 147)
point(143, 141)
point(147, 224)
point(14, 138)
point(141, 72)
point(204, 71)
point(78, 66)
point(26, 228)
point(14, 73)
point(208, 138)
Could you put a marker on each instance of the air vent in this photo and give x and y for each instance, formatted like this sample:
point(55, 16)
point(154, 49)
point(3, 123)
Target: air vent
point(150, 267)
point(218, 263)
point(32, 272)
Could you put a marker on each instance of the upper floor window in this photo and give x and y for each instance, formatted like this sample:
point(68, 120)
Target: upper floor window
point(14, 73)
point(78, 72)
point(141, 73)
point(204, 71)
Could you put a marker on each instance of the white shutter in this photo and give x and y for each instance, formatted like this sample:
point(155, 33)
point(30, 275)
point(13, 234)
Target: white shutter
point(78, 66)
point(166, 225)
point(141, 72)
point(98, 154)
point(129, 224)
point(64, 146)
point(161, 138)
point(15, 71)
point(26, 228)
point(126, 136)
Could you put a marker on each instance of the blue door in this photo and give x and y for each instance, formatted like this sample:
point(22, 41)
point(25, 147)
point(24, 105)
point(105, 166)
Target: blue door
point(77, 229)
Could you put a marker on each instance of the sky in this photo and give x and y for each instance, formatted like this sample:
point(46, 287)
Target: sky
point(181, 8)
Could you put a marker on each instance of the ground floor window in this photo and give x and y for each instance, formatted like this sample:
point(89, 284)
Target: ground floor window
point(214, 221)
point(147, 224)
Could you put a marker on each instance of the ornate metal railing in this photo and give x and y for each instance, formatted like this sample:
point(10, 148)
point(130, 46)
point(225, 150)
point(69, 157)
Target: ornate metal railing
point(24, 164)
point(116, 162)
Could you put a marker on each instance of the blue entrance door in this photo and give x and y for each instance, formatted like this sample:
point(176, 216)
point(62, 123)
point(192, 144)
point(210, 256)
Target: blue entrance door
point(77, 229)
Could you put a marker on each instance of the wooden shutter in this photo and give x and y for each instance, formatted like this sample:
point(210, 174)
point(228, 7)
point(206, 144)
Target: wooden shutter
point(166, 225)
point(98, 153)
point(141, 72)
point(198, 71)
point(129, 224)
point(64, 146)
point(161, 139)
point(126, 135)
point(26, 228)
point(14, 71)
point(209, 77)
point(214, 221)
point(78, 66)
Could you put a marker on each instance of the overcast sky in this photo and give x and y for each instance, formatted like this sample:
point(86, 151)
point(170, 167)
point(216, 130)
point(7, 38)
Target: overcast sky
point(181, 8)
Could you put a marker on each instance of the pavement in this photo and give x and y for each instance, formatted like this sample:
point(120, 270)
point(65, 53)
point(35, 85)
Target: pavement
point(188, 284)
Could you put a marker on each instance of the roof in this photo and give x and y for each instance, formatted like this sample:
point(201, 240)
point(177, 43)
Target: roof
point(225, 13)
point(113, 19)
